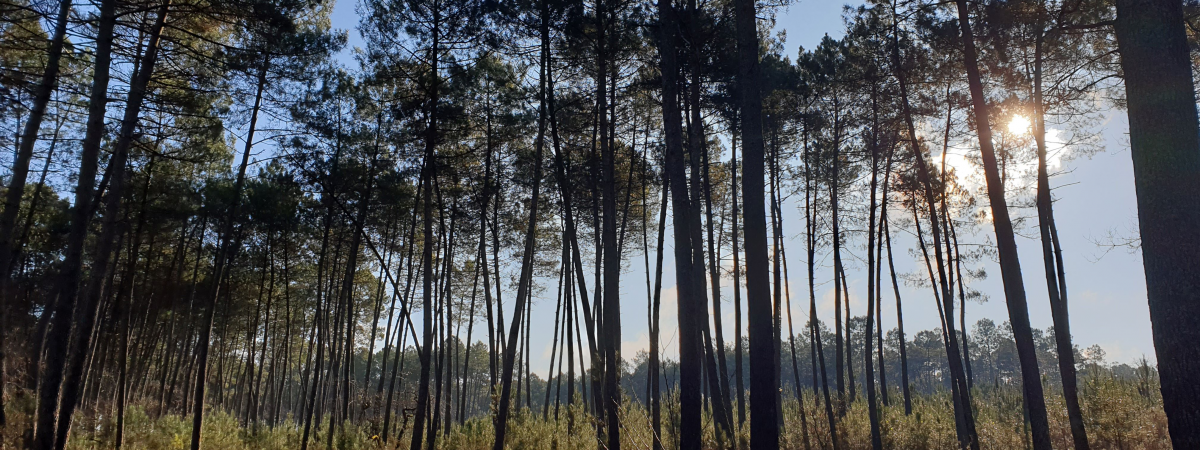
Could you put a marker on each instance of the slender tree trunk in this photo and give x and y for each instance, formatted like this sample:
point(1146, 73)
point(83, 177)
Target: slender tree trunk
point(853, 394)
point(776, 266)
point(18, 246)
point(883, 389)
point(430, 173)
point(526, 278)
point(963, 412)
point(838, 342)
point(224, 256)
point(814, 324)
point(792, 344)
point(1056, 285)
point(310, 406)
point(20, 168)
point(108, 234)
point(737, 288)
point(612, 255)
point(405, 317)
point(1010, 265)
point(56, 341)
point(561, 174)
point(466, 370)
point(655, 373)
point(385, 264)
point(697, 147)
point(554, 339)
point(124, 299)
point(872, 282)
point(714, 257)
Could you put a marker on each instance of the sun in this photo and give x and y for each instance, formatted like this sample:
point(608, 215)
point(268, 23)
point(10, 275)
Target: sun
point(1019, 125)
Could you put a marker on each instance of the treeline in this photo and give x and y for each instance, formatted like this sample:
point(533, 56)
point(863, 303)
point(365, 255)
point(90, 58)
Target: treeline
point(207, 210)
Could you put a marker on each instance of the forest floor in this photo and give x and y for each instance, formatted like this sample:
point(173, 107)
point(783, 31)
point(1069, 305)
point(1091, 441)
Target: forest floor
point(1119, 414)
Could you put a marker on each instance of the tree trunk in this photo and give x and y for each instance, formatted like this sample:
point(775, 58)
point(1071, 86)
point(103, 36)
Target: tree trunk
point(655, 372)
point(963, 413)
point(690, 350)
point(612, 255)
point(429, 174)
point(764, 386)
point(225, 254)
point(1055, 285)
point(814, 324)
point(56, 341)
point(500, 422)
point(1166, 166)
point(91, 298)
point(1010, 265)
point(20, 168)
point(868, 367)
point(737, 288)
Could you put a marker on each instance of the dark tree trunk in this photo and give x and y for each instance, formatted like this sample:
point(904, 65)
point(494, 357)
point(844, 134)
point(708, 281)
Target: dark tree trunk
point(872, 282)
point(429, 174)
point(556, 337)
point(810, 239)
point(963, 413)
point(887, 173)
point(20, 168)
point(697, 146)
point(777, 267)
point(122, 312)
point(225, 253)
point(1166, 167)
point(47, 435)
point(500, 421)
point(612, 255)
point(1056, 285)
point(764, 385)
point(655, 372)
point(55, 344)
point(839, 360)
point(737, 288)
point(690, 344)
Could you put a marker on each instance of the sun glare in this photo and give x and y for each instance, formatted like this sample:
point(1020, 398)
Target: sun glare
point(1019, 125)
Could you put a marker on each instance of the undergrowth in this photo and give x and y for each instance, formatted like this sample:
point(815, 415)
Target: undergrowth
point(1119, 414)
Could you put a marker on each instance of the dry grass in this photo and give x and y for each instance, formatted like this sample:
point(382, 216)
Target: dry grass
point(1120, 414)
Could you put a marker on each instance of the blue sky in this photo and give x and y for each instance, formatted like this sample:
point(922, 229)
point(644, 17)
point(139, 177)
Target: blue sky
point(1095, 198)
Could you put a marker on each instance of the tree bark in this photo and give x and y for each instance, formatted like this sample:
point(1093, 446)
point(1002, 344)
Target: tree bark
point(429, 174)
point(612, 255)
point(1166, 167)
point(20, 168)
point(963, 412)
point(1056, 286)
